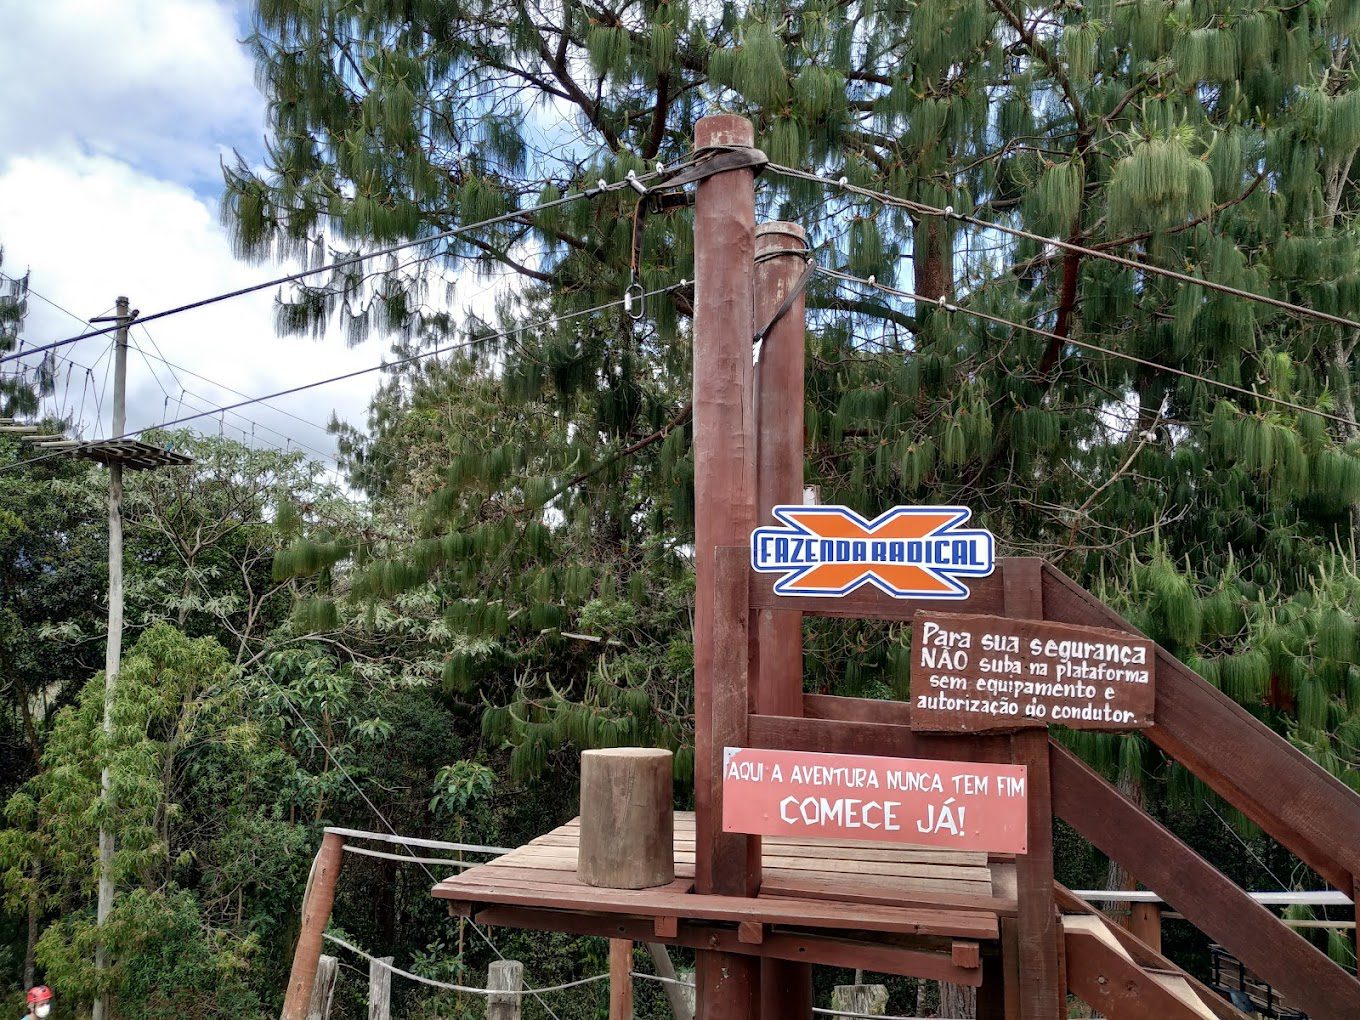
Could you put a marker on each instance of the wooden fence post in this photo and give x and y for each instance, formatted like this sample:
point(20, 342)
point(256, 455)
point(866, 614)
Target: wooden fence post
point(1145, 921)
point(380, 989)
point(620, 979)
point(316, 914)
point(504, 979)
point(323, 991)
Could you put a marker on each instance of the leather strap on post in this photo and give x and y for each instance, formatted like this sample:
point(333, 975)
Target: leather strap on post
point(792, 296)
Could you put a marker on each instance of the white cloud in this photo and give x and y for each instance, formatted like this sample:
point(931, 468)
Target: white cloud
point(160, 84)
point(92, 228)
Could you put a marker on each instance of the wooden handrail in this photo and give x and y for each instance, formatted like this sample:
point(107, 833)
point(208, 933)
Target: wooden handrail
point(1207, 898)
point(1277, 786)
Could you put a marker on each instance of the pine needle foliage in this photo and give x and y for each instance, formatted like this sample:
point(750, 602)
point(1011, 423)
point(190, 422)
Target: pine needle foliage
point(1214, 137)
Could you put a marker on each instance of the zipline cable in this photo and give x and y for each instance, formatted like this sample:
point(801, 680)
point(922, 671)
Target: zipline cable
point(600, 189)
point(382, 366)
point(1094, 348)
point(1143, 267)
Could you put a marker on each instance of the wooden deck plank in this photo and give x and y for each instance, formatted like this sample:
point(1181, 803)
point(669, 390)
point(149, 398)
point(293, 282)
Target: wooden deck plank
point(566, 856)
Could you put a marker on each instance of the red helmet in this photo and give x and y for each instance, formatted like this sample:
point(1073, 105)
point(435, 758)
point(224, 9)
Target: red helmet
point(39, 993)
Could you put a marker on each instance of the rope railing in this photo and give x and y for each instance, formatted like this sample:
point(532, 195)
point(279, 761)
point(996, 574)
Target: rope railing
point(447, 986)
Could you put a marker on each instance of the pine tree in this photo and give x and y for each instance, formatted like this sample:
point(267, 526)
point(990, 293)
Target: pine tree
point(1215, 137)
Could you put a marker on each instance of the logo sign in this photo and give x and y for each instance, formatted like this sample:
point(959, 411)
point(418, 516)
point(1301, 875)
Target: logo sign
point(910, 552)
point(954, 804)
point(971, 673)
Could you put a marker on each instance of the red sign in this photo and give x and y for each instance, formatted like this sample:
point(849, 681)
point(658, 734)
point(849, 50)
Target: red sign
point(954, 804)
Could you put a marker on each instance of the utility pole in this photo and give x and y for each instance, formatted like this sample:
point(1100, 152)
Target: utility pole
point(113, 651)
point(117, 452)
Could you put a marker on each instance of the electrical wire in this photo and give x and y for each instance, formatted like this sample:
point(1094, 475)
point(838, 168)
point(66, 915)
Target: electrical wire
point(302, 274)
point(948, 212)
point(382, 366)
point(1094, 348)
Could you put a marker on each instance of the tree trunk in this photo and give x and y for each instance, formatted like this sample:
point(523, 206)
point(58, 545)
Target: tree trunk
point(32, 941)
point(931, 259)
point(957, 1001)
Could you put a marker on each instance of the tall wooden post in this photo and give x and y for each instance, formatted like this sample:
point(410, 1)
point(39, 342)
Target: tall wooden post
point(1043, 988)
point(113, 647)
point(316, 914)
point(777, 686)
point(728, 984)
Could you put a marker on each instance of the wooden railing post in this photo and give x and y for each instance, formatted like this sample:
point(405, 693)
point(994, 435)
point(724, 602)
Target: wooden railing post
point(1043, 988)
point(380, 989)
point(316, 914)
point(505, 981)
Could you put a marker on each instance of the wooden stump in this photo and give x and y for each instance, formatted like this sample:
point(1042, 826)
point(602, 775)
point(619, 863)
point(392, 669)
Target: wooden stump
point(627, 818)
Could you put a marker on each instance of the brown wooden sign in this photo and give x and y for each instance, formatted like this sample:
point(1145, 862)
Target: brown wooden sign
point(971, 673)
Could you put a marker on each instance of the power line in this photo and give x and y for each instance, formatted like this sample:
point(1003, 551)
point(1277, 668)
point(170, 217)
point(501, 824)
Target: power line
point(949, 213)
point(381, 366)
point(302, 274)
point(1094, 348)
point(201, 399)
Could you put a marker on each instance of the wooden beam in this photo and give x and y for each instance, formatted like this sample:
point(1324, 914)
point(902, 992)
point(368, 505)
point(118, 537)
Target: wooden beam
point(822, 950)
point(1277, 786)
point(1207, 898)
point(1116, 986)
point(837, 736)
point(868, 603)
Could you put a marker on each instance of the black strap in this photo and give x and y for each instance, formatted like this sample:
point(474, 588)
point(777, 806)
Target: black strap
point(787, 303)
point(715, 162)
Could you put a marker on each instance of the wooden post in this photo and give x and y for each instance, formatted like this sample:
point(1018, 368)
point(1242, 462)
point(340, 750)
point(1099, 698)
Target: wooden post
point(777, 687)
point(724, 493)
point(1145, 923)
point(323, 991)
point(504, 979)
point(620, 979)
point(1043, 989)
point(627, 818)
point(316, 914)
point(380, 989)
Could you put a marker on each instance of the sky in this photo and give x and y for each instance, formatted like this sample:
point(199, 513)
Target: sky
point(116, 119)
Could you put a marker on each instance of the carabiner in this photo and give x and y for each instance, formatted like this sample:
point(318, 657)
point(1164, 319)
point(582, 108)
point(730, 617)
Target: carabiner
point(632, 300)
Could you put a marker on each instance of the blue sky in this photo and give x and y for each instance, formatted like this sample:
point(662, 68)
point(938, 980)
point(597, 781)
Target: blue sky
point(116, 116)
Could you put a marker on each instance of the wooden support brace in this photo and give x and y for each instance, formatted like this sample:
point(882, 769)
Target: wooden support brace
point(666, 927)
point(966, 954)
point(751, 932)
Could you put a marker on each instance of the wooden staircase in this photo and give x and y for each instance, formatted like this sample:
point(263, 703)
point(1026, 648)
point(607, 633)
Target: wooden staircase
point(1111, 970)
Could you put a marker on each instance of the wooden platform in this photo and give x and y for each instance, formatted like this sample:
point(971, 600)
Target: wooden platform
point(924, 910)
